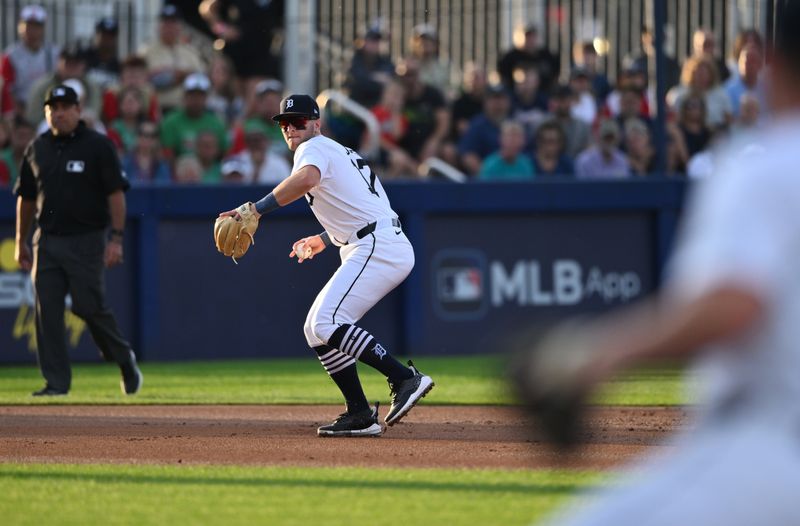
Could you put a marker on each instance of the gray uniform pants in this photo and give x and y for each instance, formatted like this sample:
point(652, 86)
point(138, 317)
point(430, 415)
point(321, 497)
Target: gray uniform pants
point(74, 265)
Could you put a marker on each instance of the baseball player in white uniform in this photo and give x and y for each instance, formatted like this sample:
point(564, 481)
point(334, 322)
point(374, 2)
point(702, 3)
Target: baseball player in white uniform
point(351, 204)
point(731, 305)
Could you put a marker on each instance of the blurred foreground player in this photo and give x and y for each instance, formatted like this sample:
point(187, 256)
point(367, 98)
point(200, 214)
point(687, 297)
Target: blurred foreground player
point(731, 305)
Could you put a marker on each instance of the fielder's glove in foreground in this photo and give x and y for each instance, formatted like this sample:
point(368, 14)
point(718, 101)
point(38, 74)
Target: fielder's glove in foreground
point(233, 236)
point(548, 377)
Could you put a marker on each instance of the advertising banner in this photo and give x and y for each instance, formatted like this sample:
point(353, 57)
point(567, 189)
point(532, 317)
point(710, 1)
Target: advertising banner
point(488, 276)
point(210, 307)
point(479, 280)
point(17, 325)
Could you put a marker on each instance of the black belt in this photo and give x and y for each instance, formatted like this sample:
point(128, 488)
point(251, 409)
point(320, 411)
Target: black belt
point(370, 228)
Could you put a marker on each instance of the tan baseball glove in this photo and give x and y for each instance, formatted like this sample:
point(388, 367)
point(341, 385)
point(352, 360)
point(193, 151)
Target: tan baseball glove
point(234, 235)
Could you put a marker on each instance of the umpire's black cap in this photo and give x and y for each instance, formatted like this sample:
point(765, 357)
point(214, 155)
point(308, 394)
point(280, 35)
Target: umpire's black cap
point(298, 106)
point(61, 93)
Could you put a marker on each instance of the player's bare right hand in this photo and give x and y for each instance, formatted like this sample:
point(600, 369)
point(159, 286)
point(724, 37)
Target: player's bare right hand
point(307, 248)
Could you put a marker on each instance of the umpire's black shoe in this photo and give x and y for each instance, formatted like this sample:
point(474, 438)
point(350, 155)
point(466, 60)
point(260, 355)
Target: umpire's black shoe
point(406, 394)
point(132, 377)
point(47, 390)
point(361, 424)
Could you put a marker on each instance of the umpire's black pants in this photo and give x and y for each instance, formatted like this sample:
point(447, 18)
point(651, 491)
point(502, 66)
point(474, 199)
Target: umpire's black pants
point(74, 265)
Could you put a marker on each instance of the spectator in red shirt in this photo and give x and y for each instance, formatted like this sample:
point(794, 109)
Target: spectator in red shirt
point(394, 125)
point(6, 100)
point(266, 103)
point(132, 75)
point(123, 130)
point(27, 60)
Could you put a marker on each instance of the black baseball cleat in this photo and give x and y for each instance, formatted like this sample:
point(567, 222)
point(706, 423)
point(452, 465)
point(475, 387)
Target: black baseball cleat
point(47, 390)
point(406, 394)
point(132, 377)
point(361, 424)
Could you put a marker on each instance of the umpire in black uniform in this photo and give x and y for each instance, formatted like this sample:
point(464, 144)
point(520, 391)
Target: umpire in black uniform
point(71, 180)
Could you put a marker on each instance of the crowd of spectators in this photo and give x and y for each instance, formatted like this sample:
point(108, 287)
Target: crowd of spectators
point(529, 118)
point(174, 116)
point(177, 116)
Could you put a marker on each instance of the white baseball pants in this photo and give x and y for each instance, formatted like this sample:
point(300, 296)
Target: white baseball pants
point(371, 267)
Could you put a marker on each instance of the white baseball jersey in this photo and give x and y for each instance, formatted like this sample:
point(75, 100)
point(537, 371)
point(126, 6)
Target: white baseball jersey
point(349, 195)
point(745, 231)
point(741, 464)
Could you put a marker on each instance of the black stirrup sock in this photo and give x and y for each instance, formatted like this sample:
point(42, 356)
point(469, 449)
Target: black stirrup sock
point(360, 345)
point(342, 370)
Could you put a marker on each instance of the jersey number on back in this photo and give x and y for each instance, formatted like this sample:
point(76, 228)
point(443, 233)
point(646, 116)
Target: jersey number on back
point(359, 164)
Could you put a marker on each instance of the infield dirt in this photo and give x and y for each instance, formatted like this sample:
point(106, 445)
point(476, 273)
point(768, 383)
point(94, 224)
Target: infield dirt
point(431, 436)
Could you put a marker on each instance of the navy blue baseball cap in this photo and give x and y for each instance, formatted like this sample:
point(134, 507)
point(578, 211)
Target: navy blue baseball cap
point(298, 106)
point(107, 24)
point(170, 11)
point(497, 90)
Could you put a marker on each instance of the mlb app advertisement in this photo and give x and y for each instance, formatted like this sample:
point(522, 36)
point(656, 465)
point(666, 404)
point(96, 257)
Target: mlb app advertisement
point(491, 275)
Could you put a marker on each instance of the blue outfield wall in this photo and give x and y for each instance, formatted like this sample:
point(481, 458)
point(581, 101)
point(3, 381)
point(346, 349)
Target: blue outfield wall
point(490, 258)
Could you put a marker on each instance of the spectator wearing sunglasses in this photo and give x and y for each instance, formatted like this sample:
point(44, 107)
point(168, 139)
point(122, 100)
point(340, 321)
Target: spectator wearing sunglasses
point(143, 164)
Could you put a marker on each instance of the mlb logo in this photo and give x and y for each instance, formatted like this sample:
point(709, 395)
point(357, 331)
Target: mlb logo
point(460, 284)
point(75, 166)
point(459, 290)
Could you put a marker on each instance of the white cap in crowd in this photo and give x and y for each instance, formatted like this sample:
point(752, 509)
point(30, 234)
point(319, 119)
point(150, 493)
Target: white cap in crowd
point(196, 82)
point(77, 86)
point(33, 13)
point(269, 85)
point(233, 165)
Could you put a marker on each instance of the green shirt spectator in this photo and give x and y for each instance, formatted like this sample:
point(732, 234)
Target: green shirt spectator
point(179, 130)
point(208, 152)
point(212, 174)
point(266, 103)
point(122, 135)
point(270, 129)
point(22, 133)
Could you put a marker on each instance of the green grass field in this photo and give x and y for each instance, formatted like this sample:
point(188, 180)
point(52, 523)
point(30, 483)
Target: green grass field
point(135, 494)
point(108, 494)
point(459, 380)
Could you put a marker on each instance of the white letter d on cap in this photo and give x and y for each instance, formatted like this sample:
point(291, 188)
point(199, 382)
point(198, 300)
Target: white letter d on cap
point(289, 103)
